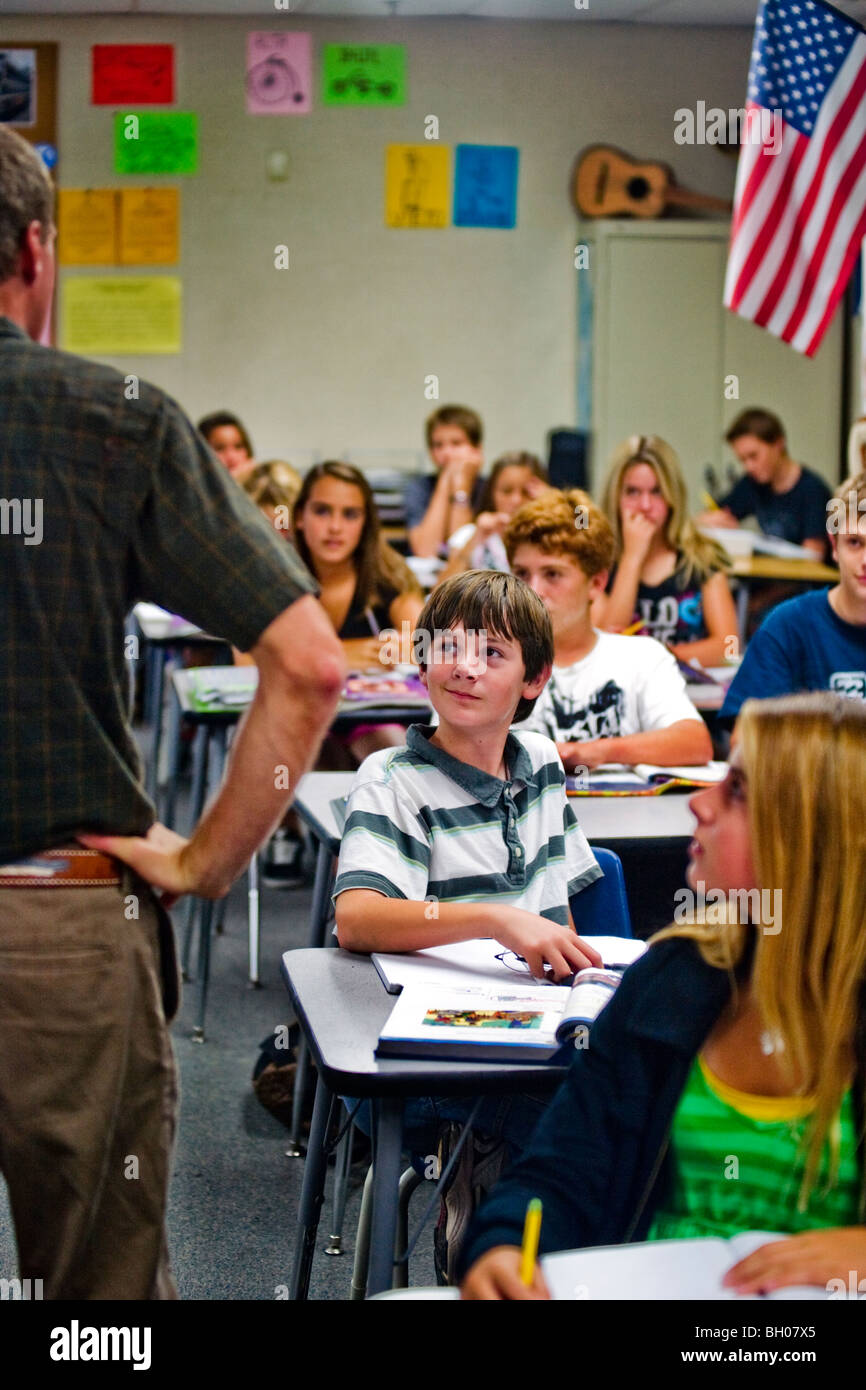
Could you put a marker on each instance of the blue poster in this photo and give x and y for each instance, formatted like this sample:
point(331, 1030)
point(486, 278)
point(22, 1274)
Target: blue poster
point(485, 186)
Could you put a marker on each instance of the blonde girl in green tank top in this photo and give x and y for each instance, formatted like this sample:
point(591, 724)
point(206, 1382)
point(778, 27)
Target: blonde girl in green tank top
point(778, 1084)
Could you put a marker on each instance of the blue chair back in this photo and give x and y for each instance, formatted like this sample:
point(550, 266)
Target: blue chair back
point(602, 908)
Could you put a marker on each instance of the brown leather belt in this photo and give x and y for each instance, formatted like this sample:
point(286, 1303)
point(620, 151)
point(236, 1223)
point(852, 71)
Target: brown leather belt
point(62, 868)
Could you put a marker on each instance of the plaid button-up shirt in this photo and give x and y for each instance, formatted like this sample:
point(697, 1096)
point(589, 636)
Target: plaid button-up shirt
point(105, 500)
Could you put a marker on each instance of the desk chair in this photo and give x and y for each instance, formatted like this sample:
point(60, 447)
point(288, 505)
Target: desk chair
point(600, 910)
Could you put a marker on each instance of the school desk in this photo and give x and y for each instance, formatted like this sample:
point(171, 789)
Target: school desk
point(747, 568)
point(162, 635)
point(342, 1006)
point(649, 833)
point(213, 723)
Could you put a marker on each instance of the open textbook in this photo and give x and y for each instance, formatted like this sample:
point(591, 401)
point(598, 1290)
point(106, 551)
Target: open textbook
point(660, 1269)
point(644, 779)
point(475, 1001)
point(227, 687)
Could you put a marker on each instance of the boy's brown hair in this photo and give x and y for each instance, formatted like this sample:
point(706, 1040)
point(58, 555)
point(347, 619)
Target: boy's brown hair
point(500, 605)
point(564, 523)
point(763, 424)
point(462, 417)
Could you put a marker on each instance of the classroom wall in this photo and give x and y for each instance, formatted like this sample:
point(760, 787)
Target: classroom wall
point(333, 352)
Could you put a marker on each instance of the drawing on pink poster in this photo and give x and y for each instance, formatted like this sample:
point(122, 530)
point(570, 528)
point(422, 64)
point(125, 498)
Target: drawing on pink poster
point(279, 74)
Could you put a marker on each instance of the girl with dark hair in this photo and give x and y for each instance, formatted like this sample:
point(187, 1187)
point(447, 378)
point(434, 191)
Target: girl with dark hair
point(366, 587)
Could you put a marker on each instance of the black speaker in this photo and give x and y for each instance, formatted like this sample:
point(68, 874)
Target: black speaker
point(568, 458)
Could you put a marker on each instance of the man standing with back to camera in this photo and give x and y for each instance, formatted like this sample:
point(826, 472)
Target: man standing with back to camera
point(130, 505)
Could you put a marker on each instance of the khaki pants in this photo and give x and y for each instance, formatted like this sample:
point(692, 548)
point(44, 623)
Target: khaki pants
point(88, 1091)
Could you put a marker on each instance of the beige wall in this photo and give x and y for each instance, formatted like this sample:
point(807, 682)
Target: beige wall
point(334, 352)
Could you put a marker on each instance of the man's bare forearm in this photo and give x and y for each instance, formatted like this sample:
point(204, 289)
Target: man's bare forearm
point(301, 672)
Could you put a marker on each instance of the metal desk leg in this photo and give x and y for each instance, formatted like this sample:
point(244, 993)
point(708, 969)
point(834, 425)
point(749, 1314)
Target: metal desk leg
point(341, 1189)
point(742, 612)
point(131, 652)
point(388, 1144)
point(205, 925)
point(302, 1073)
point(207, 911)
point(319, 914)
point(159, 656)
point(147, 692)
point(253, 920)
point(175, 729)
point(312, 1192)
point(362, 1242)
point(199, 783)
point(320, 907)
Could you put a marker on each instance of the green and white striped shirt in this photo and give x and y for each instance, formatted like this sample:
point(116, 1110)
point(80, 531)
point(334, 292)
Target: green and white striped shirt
point(422, 825)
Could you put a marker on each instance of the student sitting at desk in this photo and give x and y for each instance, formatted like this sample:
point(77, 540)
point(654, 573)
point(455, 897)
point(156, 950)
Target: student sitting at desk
point(520, 854)
point(229, 440)
point(816, 641)
point(740, 1032)
point(367, 589)
point(466, 832)
point(610, 698)
point(437, 506)
point(667, 576)
point(786, 498)
point(515, 478)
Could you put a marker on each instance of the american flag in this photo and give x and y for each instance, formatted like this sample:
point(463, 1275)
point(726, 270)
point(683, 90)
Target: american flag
point(800, 202)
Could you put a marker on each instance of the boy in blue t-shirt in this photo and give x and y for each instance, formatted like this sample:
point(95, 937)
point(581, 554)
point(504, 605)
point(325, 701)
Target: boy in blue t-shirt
point(786, 499)
point(818, 640)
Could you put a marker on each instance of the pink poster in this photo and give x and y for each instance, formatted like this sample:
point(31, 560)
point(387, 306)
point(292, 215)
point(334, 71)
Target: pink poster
point(279, 74)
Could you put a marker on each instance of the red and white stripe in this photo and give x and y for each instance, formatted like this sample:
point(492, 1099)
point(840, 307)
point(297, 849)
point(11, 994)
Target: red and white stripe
point(800, 216)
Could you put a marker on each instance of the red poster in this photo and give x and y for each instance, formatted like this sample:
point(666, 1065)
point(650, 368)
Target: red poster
point(133, 73)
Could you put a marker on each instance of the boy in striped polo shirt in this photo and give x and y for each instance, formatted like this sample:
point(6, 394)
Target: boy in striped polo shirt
point(466, 832)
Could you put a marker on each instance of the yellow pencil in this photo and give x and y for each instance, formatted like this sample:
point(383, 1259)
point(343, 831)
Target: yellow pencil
point(632, 629)
point(529, 1249)
point(709, 501)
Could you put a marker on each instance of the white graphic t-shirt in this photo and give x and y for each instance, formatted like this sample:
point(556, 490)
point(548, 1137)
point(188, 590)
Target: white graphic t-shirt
point(626, 685)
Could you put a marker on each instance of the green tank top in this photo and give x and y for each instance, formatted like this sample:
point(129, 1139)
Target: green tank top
point(735, 1172)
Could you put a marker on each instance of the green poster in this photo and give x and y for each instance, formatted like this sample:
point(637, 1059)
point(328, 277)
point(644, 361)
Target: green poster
point(366, 75)
point(156, 142)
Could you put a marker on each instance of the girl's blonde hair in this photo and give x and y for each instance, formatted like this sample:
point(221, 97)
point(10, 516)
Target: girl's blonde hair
point(699, 556)
point(377, 564)
point(272, 484)
point(804, 758)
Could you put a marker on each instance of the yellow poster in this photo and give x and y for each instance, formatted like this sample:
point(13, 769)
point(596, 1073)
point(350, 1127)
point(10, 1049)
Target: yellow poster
point(149, 226)
point(112, 315)
point(87, 226)
point(416, 186)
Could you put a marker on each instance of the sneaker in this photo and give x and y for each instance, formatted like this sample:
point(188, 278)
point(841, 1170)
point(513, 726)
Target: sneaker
point(479, 1166)
point(282, 866)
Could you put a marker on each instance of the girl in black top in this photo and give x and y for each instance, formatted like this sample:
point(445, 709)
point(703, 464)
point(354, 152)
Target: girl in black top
point(668, 577)
point(366, 587)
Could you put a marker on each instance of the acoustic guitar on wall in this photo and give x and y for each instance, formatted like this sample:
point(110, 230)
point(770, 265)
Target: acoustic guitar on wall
point(608, 183)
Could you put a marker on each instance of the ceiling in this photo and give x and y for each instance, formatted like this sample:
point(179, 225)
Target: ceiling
point(692, 12)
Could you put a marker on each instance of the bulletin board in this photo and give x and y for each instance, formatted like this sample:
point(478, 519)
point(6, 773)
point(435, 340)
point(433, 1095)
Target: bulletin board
point(37, 122)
